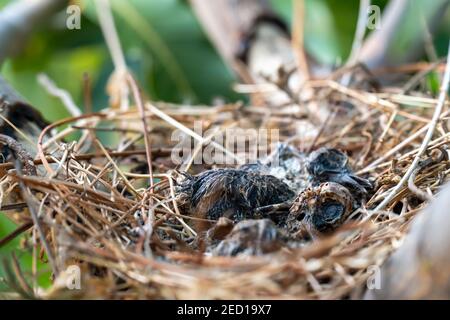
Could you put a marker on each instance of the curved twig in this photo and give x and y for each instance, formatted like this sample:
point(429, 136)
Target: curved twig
point(426, 140)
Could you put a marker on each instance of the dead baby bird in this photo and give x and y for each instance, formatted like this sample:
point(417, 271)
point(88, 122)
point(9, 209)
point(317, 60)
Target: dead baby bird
point(331, 165)
point(326, 188)
point(252, 237)
point(333, 193)
point(231, 193)
point(319, 210)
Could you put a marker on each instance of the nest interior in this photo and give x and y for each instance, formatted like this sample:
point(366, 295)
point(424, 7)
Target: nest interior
point(101, 206)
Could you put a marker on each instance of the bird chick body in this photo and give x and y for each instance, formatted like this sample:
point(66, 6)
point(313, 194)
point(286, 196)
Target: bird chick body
point(251, 237)
point(232, 193)
point(326, 189)
point(331, 165)
point(320, 210)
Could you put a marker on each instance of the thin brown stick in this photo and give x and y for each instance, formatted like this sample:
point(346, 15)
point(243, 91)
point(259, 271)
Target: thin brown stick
point(17, 232)
point(141, 108)
point(428, 136)
point(37, 223)
point(298, 23)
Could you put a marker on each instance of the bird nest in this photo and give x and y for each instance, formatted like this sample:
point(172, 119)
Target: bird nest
point(135, 231)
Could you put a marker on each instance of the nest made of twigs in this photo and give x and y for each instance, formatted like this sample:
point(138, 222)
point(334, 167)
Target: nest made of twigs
point(96, 208)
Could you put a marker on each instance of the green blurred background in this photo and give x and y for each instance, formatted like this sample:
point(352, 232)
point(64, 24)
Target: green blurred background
point(168, 52)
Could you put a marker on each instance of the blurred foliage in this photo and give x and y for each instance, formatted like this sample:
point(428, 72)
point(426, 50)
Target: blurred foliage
point(23, 253)
point(168, 52)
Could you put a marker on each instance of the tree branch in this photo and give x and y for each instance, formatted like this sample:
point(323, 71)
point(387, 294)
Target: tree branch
point(19, 19)
point(227, 21)
point(420, 268)
point(401, 36)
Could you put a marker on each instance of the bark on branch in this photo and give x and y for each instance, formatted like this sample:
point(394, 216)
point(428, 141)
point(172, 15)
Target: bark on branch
point(420, 268)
